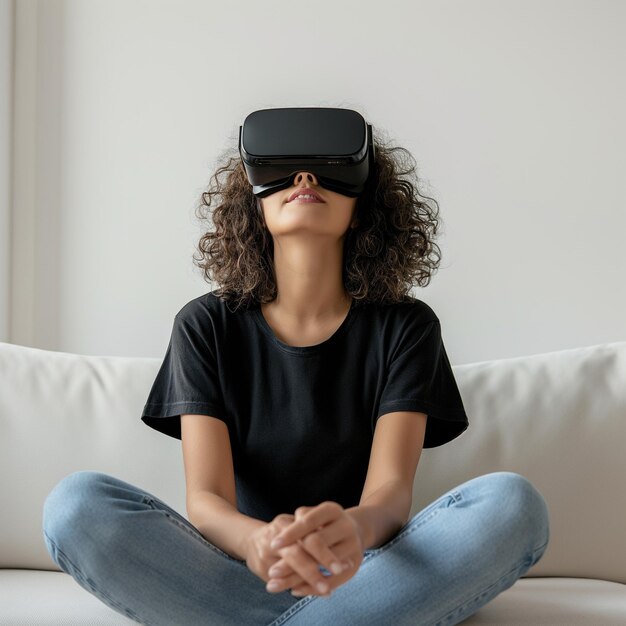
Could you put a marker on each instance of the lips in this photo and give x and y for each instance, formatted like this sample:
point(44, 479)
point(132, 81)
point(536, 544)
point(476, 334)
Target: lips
point(305, 191)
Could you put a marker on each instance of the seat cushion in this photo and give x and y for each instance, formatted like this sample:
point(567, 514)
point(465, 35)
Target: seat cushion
point(546, 601)
point(29, 597)
point(36, 597)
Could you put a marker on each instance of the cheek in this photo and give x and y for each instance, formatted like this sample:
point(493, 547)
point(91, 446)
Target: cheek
point(351, 208)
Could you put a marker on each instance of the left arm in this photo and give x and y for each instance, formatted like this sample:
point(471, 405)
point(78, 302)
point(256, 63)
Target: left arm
point(388, 491)
point(382, 514)
point(385, 502)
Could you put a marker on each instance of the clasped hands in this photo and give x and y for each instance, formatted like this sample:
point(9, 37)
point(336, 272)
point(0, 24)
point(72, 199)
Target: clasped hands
point(323, 535)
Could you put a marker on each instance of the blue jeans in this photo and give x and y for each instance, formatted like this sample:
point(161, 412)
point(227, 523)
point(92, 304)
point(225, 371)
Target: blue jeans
point(144, 560)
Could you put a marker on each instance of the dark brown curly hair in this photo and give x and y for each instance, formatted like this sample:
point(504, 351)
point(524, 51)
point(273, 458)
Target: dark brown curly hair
point(391, 249)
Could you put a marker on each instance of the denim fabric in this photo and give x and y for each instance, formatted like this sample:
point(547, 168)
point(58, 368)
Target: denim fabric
point(144, 560)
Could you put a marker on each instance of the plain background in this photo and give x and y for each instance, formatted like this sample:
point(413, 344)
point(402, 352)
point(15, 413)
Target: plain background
point(112, 114)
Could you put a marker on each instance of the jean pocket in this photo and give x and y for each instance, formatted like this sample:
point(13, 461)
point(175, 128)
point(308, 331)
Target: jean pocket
point(442, 502)
point(186, 525)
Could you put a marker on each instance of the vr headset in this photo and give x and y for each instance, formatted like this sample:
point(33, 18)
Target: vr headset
point(334, 144)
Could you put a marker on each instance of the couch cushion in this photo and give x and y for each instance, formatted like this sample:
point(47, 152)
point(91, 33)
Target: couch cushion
point(532, 601)
point(550, 601)
point(30, 597)
point(62, 412)
point(557, 418)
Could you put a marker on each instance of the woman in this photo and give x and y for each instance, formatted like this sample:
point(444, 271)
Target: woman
point(303, 391)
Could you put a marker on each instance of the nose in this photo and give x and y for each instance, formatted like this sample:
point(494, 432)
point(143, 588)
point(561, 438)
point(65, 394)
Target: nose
point(306, 176)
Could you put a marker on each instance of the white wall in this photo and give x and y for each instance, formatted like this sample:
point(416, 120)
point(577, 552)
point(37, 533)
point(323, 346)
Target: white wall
point(6, 145)
point(513, 110)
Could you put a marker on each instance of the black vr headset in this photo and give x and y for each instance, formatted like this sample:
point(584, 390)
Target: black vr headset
point(334, 144)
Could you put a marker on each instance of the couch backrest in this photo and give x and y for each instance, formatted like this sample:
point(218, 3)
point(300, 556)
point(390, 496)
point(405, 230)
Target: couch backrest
point(559, 419)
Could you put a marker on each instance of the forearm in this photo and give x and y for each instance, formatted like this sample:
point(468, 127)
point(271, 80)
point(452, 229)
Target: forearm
point(382, 514)
point(220, 523)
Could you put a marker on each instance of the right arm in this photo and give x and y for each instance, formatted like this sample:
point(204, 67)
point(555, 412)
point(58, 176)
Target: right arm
point(212, 507)
point(210, 485)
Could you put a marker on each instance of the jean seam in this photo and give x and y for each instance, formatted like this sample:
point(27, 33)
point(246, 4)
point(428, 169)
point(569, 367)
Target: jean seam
point(541, 550)
point(293, 609)
point(87, 581)
point(193, 533)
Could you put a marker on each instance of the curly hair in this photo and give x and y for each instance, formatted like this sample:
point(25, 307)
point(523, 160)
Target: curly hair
point(391, 249)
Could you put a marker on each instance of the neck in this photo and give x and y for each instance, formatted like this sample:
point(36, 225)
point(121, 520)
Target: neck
point(309, 283)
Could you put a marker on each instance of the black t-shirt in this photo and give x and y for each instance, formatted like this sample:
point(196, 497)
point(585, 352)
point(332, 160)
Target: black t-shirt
point(301, 419)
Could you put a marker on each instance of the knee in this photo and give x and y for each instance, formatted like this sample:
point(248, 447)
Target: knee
point(520, 506)
point(73, 501)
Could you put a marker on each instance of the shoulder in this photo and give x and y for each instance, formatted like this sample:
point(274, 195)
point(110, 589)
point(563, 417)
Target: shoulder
point(412, 312)
point(202, 310)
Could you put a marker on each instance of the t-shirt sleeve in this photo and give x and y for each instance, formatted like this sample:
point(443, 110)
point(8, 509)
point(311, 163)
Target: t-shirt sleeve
point(420, 378)
point(187, 381)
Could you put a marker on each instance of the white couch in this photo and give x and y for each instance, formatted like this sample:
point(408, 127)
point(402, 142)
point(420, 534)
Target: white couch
point(557, 418)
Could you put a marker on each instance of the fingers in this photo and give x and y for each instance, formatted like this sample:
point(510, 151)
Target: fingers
point(305, 571)
point(278, 523)
point(316, 536)
point(302, 560)
point(326, 545)
point(306, 522)
point(336, 566)
point(299, 587)
point(317, 545)
point(283, 520)
point(301, 566)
